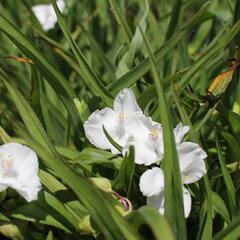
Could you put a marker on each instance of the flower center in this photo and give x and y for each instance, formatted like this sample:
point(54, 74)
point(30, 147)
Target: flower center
point(122, 118)
point(184, 176)
point(154, 134)
point(6, 162)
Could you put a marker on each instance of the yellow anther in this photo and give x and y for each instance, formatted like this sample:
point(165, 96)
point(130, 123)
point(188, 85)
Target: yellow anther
point(121, 117)
point(154, 133)
point(186, 176)
point(6, 161)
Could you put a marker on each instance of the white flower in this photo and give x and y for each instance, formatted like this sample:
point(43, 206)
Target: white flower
point(46, 15)
point(19, 170)
point(115, 121)
point(192, 168)
point(146, 137)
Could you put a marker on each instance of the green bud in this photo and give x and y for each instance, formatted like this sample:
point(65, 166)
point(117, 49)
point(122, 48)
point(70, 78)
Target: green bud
point(10, 230)
point(102, 183)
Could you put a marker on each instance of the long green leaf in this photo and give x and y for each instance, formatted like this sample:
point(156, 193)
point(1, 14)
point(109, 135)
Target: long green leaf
point(118, 13)
point(88, 73)
point(124, 178)
point(52, 75)
point(210, 54)
point(127, 60)
point(173, 205)
point(232, 232)
point(175, 15)
point(29, 117)
point(50, 212)
point(137, 72)
point(231, 192)
point(157, 223)
point(106, 217)
point(220, 206)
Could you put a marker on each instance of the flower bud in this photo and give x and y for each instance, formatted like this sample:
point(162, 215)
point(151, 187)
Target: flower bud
point(10, 230)
point(102, 183)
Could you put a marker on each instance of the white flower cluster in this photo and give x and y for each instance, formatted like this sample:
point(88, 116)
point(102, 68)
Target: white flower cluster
point(19, 170)
point(46, 15)
point(127, 125)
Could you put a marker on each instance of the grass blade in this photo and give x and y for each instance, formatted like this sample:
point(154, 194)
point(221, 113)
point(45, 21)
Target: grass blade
point(231, 193)
point(53, 76)
point(137, 72)
point(173, 206)
point(87, 72)
point(232, 232)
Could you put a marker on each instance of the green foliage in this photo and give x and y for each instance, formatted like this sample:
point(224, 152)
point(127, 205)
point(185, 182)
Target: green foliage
point(168, 53)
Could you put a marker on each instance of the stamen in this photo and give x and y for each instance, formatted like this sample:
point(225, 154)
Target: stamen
point(185, 177)
point(122, 117)
point(6, 161)
point(154, 133)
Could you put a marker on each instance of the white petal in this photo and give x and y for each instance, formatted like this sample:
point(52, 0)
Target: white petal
point(61, 5)
point(46, 15)
point(27, 187)
point(146, 137)
point(125, 103)
point(157, 201)
point(187, 202)
point(144, 153)
point(139, 126)
point(19, 170)
point(192, 165)
point(30, 191)
point(94, 128)
point(26, 158)
point(152, 182)
point(179, 132)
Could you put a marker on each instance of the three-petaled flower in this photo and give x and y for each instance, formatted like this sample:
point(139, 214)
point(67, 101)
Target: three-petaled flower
point(19, 170)
point(116, 121)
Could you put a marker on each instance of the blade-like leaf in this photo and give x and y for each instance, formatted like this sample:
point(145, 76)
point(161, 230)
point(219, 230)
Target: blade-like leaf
point(124, 178)
point(157, 223)
point(220, 206)
point(87, 71)
point(137, 72)
point(231, 232)
point(107, 219)
point(173, 205)
point(52, 75)
point(231, 192)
